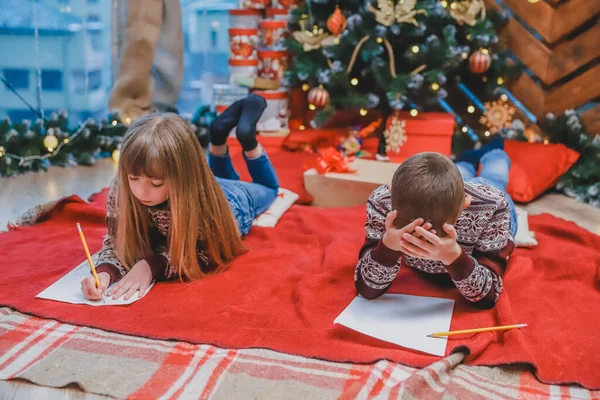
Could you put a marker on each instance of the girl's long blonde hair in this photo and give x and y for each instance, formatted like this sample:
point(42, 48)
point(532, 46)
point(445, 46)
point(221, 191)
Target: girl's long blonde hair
point(163, 146)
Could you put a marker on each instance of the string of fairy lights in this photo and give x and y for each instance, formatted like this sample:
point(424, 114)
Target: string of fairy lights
point(54, 145)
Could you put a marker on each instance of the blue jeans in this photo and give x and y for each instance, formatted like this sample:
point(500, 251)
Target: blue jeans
point(246, 199)
point(495, 166)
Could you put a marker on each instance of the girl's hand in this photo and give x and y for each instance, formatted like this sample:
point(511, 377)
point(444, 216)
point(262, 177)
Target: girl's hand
point(139, 278)
point(89, 289)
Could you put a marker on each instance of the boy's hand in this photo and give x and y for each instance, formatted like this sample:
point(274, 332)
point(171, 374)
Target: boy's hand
point(138, 278)
point(392, 237)
point(432, 247)
point(89, 289)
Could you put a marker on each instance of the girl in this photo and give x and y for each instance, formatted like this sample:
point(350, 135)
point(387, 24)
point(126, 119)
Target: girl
point(171, 216)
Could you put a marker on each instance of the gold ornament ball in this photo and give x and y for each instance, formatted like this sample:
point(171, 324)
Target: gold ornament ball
point(533, 1)
point(354, 81)
point(435, 86)
point(305, 87)
point(116, 154)
point(414, 112)
point(379, 40)
point(415, 49)
point(312, 107)
point(363, 111)
point(50, 141)
point(302, 127)
point(444, 3)
point(500, 81)
point(470, 109)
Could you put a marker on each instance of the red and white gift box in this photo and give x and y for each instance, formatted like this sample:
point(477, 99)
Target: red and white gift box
point(285, 3)
point(255, 4)
point(242, 68)
point(278, 14)
point(427, 131)
point(272, 64)
point(244, 18)
point(243, 43)
point(272, 34)
point(276, 115)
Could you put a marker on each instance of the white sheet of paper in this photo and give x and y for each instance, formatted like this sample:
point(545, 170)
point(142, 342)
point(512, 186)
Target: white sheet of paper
point(401, 319)
point(68, 290)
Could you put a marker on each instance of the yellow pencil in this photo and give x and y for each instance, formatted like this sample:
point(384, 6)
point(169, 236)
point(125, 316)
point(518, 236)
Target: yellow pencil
point(89, 257)
point(478, 330)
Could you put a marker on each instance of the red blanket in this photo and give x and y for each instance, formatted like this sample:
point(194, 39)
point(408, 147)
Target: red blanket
point(290, 165)
point(285, 293)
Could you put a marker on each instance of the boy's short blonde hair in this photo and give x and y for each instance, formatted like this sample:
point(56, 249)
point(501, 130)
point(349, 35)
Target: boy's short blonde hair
point(428, 186)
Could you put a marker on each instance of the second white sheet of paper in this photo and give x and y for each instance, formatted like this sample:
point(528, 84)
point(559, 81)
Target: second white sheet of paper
point(401, 319)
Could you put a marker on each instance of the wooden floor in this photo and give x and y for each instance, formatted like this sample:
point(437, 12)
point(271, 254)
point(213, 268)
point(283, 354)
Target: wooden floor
point(20, 193)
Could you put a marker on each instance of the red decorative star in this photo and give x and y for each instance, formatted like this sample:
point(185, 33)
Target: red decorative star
point(282, 195)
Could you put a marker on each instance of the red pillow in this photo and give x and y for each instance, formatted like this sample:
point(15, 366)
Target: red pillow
point(536, 167)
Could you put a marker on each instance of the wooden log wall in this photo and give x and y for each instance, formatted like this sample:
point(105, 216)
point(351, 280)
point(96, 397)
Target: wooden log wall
point(559, 43)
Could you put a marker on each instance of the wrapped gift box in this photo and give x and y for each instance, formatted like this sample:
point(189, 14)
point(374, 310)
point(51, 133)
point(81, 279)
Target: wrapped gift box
point(426, 132)
point(225, 95)
point(348, 189)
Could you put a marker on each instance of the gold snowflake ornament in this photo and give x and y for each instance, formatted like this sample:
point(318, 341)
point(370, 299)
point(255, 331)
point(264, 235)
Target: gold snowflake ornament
point(395, 135)
point(497, 115)
point(403, 12)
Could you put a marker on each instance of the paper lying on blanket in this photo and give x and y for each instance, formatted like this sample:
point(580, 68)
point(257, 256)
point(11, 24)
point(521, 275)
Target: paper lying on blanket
point(401, 319)
point(68, 290)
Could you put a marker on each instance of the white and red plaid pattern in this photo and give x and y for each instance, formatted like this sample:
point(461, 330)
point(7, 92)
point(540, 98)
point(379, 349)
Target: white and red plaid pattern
point(55, 354)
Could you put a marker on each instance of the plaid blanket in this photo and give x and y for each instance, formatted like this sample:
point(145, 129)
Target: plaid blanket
point(50, 353)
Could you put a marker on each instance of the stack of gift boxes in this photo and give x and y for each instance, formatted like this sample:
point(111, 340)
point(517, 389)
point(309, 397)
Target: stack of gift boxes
point(258, 60)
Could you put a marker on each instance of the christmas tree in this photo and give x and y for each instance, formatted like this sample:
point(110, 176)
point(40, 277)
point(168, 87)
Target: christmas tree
point(418, 55)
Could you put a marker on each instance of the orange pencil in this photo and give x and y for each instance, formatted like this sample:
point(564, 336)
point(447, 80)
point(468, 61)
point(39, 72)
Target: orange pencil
point(490, 329)
point(89, 257)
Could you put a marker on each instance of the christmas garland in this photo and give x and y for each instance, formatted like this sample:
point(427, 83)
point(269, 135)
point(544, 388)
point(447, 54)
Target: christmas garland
point(28, 146)
point(582, 181)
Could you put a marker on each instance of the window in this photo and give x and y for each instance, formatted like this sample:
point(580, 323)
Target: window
point(19, 78)
point(20, 115)
point(51, 79)
point(94, 81)
point(96, 41)
point(214, 38)
point(93, 18)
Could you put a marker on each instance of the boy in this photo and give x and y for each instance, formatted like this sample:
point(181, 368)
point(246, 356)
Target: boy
point(439, 218)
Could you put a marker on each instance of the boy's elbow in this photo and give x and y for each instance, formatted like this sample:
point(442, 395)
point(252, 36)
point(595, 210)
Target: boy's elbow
point(487, 303)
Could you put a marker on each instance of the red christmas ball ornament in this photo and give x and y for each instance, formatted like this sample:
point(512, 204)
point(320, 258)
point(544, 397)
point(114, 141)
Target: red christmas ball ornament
point(336, 23)
point(318, 97)
point(480, 61)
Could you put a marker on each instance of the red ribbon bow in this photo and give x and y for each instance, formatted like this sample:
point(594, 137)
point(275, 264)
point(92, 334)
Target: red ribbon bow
point(331, 160)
